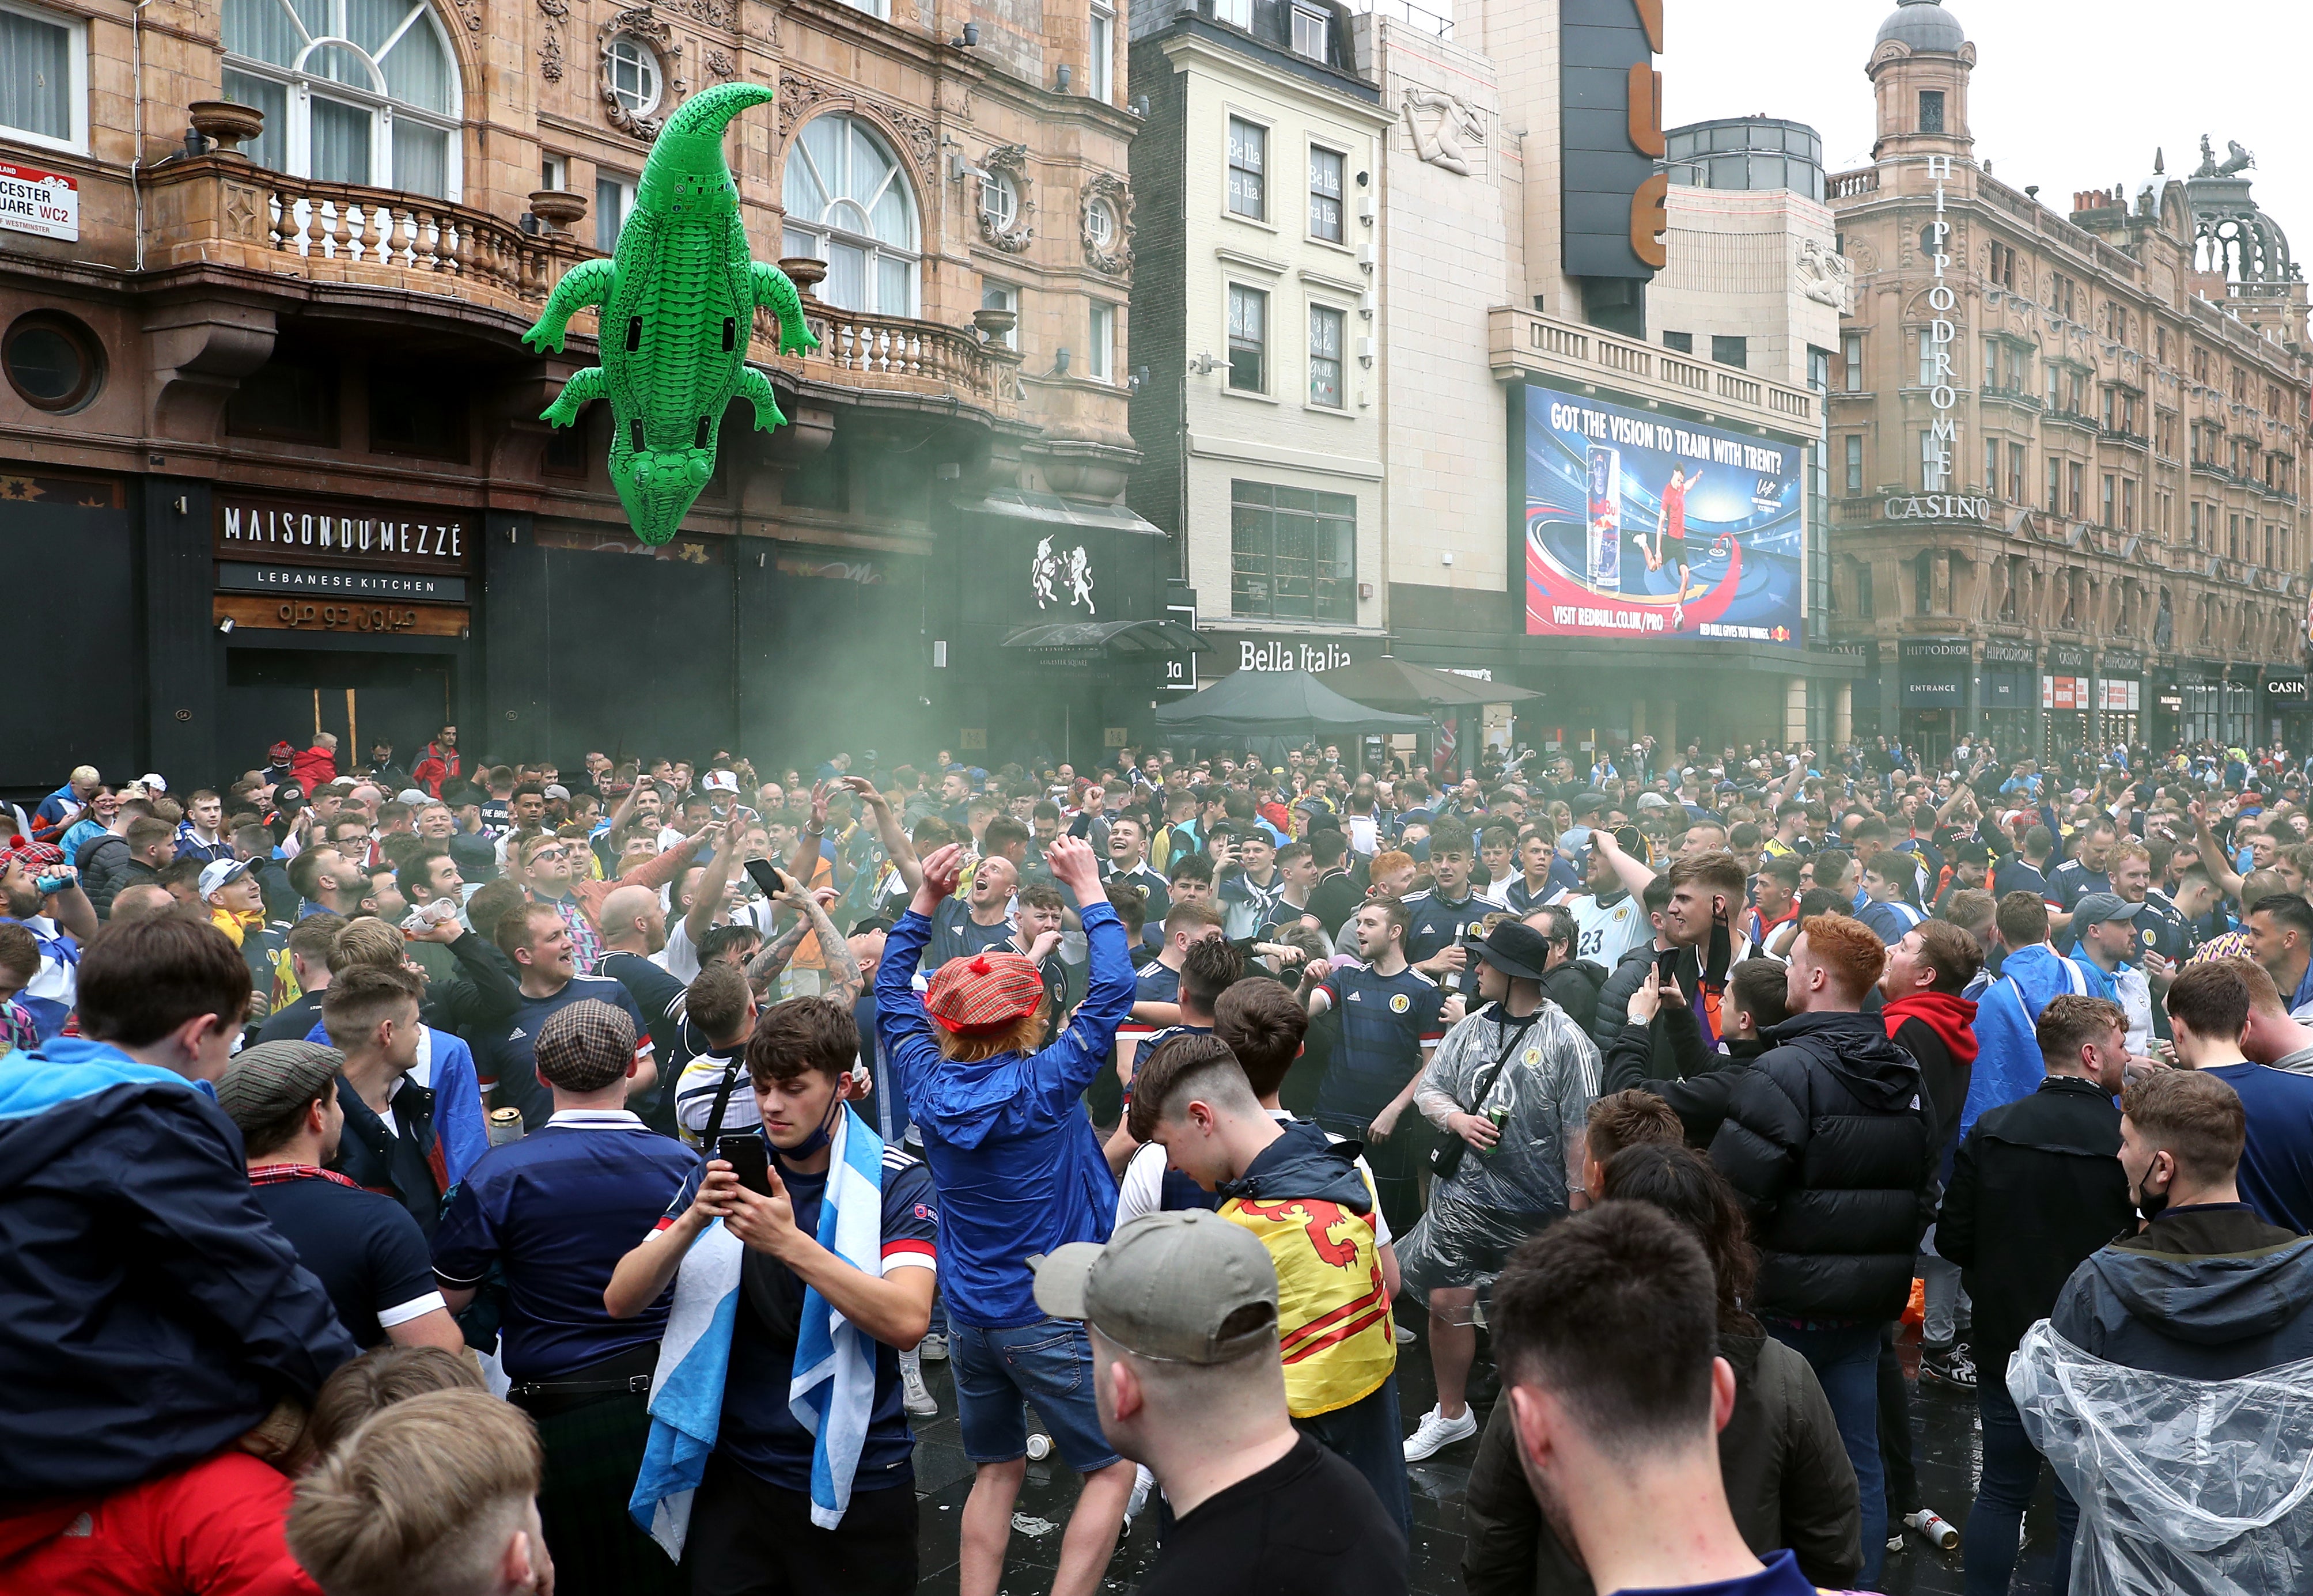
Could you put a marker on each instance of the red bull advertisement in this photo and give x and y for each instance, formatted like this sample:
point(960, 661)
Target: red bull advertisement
point(1642, 525)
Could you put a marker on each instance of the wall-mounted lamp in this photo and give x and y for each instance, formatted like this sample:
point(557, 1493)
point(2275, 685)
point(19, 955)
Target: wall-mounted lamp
point(1060, 79)
point(1137, 105)
point(1140, 377)
point(1059, 361)
point(968, 39)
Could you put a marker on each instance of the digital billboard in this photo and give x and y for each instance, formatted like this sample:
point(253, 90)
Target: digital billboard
point(1643, 526)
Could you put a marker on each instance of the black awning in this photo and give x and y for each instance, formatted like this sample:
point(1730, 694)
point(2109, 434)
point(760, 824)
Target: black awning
point(1111, 637)
point(1051, 508)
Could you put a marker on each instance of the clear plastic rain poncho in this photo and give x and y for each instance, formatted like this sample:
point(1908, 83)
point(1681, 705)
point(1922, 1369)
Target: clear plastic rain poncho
point(1495, 1200)
point(2187, 1488)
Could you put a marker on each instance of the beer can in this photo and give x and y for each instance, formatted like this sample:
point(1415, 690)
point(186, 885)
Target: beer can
point(1935, 1527)
point(506, 1125)
point(1499, 1114)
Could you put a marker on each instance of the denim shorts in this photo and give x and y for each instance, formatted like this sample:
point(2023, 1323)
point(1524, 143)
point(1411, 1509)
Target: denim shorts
point(1047, 1362)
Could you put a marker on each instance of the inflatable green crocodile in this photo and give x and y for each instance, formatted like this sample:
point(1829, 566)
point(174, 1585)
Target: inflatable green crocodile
point(678, 305)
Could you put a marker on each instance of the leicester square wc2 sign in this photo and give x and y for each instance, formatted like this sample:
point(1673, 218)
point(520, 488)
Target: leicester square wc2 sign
point(43, 203)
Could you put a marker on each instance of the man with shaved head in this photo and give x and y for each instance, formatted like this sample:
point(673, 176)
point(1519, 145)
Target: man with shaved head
point(978, 919)
point(634, 927)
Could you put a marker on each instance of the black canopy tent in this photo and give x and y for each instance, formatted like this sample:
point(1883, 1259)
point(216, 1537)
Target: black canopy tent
point(1267, 707)
point(1391, 683)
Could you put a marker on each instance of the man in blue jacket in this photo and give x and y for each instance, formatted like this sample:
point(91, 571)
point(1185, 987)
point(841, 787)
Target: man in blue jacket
point(1020, 1173)
point(150, 1315)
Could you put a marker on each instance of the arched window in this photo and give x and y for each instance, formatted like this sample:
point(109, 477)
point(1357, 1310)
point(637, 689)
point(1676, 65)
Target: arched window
point(848, 205)
point(353, 90)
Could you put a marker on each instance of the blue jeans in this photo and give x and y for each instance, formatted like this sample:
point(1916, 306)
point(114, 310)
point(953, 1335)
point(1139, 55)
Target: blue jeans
point(1369, 1436)
point(2011, 1472)
point(1846, 1359)
point(1047, 1362)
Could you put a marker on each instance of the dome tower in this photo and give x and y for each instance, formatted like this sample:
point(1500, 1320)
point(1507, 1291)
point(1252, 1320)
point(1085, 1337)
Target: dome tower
point(1919, 66)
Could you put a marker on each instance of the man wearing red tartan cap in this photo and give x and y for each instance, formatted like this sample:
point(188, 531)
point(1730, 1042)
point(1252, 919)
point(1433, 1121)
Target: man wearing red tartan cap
point(1020, 1173)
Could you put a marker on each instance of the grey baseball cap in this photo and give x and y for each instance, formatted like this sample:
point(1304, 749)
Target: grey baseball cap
point(2097, 907)
point(1180, 1287)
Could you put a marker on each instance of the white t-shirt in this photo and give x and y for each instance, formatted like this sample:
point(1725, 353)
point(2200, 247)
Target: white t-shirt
point(679, 957)
point(1142, 1189)
point(1604, 934)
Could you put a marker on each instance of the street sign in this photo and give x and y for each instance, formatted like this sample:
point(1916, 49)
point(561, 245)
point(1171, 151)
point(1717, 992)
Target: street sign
point(43, 203)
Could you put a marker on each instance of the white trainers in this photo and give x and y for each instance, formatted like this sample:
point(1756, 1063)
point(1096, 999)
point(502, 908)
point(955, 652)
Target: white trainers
point(1143, 1482)
point(933, 1349)
point(1401, 1334)
point(1436, 1432)
point(915, 1396)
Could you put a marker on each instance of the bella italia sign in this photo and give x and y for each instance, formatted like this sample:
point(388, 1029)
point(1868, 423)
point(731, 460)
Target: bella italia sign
point(1936, 363)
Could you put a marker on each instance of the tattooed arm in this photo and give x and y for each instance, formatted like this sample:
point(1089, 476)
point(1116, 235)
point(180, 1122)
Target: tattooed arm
point(766, 966)
point(843, 977)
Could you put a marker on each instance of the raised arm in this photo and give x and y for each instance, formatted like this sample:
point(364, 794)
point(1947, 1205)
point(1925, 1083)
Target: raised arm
point(2214, 859)
point(903, 1030)
point(888, 832)
point(842, 963)
point(658, 872)
point(767, 965)
point(710, 896)
point(803, 862)
point(1634, 876)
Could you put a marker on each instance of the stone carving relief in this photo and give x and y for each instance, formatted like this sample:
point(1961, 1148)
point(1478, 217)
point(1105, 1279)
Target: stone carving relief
point(1442, 127)
point(550, 47)
point(799, 96)
point(1009, 164)
point(1114, 257)
point(719, 63)
point(639, 22)
point(1826, 278)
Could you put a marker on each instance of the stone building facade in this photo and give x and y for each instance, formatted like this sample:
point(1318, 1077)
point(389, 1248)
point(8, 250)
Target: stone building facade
point(1259, 410)
point(321, 327)
point(1485, 179)
point(2065, 444)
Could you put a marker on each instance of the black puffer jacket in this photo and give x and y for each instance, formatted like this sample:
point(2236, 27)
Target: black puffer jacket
point(104, 864)
point(1826, 1140)
point(1573, 987)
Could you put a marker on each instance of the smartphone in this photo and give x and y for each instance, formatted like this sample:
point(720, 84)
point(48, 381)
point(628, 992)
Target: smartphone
point(1667, 965)
point(749, 1158)
point(766, 875)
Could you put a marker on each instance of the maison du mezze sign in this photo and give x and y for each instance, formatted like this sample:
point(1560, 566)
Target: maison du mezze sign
point(382, 534)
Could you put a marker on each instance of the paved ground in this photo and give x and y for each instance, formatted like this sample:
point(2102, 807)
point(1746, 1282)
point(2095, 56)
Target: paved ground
point(1945, 1454)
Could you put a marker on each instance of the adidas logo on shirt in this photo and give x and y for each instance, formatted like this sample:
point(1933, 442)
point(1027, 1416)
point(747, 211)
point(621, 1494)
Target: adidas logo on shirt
point(1356, 997)
point(519, 1034)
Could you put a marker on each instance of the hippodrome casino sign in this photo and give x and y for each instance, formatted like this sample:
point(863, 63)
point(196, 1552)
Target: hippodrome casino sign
point(1610, 489)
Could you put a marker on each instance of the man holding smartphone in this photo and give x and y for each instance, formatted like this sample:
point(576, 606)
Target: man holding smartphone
point(750, 1526)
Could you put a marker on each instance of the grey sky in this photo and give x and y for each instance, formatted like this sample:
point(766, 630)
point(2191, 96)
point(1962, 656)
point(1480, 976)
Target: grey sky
point(2066, 95)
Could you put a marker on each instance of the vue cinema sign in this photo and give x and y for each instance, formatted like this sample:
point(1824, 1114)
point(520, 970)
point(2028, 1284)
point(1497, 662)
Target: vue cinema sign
point(1612, 199)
